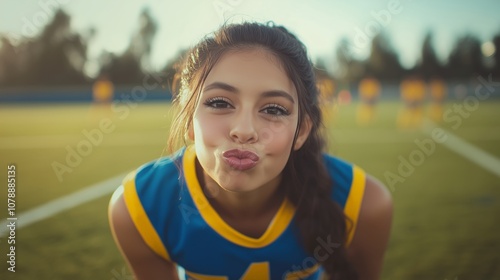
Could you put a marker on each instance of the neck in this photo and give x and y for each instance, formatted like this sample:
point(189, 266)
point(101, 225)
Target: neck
point(249, 204)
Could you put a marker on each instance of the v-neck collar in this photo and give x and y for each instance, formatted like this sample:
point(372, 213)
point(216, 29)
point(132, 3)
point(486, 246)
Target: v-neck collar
point(277, 226)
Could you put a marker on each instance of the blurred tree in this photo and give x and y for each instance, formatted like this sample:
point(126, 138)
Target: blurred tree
point(496, 42)
point(171, 71)
point(320, 69)
point(348, 69)
point(57, 56)
point(130, 66)
point(429, 66)
point(383, 62)
point(140, 46)
point(8, 65)
point(465, 60)
point(53, 58)
point(122, 69)
point(62, 54)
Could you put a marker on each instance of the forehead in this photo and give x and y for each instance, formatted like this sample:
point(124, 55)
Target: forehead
point(253, 69)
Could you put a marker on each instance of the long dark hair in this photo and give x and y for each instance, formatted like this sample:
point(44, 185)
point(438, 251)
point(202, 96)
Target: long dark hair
point(305, 179)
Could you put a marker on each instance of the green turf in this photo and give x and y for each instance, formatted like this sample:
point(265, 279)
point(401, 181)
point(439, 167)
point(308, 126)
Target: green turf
point(446, 212)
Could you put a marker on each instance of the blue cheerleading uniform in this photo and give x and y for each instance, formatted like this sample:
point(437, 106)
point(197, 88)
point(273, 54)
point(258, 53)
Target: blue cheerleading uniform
point(175, 219)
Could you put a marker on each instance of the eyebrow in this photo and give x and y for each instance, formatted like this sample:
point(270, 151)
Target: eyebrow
point(230, 88)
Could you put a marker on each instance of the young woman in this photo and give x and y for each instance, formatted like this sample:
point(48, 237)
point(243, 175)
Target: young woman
point(250, 195)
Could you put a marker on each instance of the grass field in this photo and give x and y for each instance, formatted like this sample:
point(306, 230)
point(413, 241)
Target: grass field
point(447, 211)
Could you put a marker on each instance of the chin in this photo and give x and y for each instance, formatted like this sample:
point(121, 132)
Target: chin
point(236, 188)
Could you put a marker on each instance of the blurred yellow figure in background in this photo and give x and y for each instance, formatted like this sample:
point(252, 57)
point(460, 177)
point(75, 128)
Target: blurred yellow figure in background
point(327, 99)
point(413, 95)
point(102, 96)
point(369, 92)
point(102, 91)
point(438, 91)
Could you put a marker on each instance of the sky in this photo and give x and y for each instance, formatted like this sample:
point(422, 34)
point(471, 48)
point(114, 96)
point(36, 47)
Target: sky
point(320, 24)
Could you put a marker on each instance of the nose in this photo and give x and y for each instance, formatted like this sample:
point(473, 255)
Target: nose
point(243, 129)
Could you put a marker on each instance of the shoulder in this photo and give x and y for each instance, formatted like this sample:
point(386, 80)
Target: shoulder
point(341, 171)
point(123, 228)
point(145, 199)
point(346, 175)
point(373, 230)
point(157, 170)
point(334, 163)
point(376, 209)
point(144, 262)
point(348, 182)
point(158, 178)
point(363, 198)
point(377, 200)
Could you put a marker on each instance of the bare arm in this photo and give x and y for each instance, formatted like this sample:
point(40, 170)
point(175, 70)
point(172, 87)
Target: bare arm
point(143, 261)
point(368, 246)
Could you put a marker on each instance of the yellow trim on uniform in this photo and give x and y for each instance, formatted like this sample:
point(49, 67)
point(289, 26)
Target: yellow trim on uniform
point(140, 218)
point(196, 276)
point(257, 270)
point(354, 200)
point(301, 274)
point(278, 225)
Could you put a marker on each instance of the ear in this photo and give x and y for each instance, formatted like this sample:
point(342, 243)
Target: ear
point(304, 131)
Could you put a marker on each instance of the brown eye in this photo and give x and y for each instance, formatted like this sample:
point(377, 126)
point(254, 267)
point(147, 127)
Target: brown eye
point(218, 103)
point(275, 110)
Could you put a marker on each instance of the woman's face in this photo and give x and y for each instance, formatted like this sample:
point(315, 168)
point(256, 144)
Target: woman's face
point(245, 121)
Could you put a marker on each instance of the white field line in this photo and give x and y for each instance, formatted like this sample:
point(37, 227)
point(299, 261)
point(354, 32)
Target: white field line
point(468, 151)
point(61, 204)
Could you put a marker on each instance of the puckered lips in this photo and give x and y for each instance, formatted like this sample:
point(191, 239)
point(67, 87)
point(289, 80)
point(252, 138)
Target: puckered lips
point(240, 159)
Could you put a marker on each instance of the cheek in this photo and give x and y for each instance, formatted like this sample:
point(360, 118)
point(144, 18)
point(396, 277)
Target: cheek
point(208, 130)
point(277, 137)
